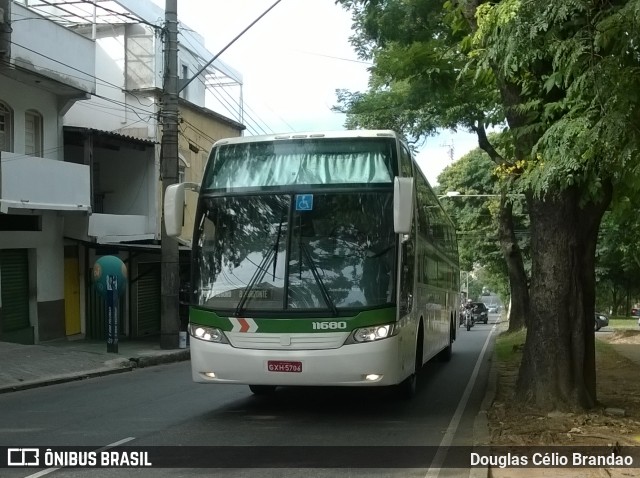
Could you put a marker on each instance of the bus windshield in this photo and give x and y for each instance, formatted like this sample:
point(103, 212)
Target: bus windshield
point(277, 252)
point(300, 162)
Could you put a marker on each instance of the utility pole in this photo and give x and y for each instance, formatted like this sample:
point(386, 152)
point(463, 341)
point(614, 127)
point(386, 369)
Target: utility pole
point(170, 267)
point(170, 256)
point(5, 53)
point(450, 149)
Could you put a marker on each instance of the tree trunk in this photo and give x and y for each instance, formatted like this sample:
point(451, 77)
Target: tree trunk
point(518, 288)
point(558, 365)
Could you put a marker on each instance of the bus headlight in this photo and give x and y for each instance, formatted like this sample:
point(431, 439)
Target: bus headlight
point(373, 333)
point(208, 334)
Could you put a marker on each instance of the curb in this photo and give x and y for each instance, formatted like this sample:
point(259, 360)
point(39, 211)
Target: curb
point(150, 360)
point(126, 366)
point(64, 379)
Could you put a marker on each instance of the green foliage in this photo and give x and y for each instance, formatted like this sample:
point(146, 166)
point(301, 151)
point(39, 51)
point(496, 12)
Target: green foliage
point(475, 218)
point(618, 255)
point(575, 66)
point(419, 81)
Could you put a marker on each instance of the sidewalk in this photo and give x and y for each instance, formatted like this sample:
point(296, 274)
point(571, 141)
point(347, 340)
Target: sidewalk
point(30, 366)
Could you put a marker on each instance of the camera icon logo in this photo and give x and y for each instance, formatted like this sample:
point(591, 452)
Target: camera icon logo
point(23, 457)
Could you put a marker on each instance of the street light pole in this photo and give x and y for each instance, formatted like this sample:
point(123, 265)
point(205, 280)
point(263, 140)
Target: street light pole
point(466, 280)
point(458, 194)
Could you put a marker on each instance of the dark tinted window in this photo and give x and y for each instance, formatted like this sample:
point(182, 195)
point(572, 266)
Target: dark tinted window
point(300, 251)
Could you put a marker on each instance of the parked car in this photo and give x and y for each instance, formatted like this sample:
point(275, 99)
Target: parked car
point(479, 312)
point(601, 321)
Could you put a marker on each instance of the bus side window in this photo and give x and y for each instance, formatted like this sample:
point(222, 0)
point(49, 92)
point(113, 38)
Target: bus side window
point(406, 169)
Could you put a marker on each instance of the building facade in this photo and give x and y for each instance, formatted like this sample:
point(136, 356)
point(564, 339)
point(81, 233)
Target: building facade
point(39, 191)
point(109, 145)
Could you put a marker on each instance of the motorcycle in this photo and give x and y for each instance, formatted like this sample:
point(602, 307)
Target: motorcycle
point(468, 319)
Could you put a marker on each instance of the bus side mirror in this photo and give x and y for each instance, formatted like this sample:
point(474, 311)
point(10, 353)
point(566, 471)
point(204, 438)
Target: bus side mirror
point(174, 207)
point(402, 205)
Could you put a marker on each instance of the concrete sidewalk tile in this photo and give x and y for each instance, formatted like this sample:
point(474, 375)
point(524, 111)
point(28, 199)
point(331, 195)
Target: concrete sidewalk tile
point(29, 366)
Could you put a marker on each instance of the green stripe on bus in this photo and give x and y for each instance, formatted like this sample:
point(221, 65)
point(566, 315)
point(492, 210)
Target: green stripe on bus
point(297, 325)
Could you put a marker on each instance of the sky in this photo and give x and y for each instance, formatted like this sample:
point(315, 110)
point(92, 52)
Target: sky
point(292, 62)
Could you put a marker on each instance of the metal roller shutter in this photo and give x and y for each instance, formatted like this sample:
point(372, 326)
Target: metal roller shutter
point(149, 298)
point(14, 271)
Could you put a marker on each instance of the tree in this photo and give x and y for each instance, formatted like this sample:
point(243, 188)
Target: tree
point(421, 82)
point(564, 76)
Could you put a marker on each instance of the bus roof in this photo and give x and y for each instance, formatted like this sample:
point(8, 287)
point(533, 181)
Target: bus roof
point(358, 133)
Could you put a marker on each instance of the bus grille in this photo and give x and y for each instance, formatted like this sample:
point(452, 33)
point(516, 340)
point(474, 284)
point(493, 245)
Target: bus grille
point(263, 341)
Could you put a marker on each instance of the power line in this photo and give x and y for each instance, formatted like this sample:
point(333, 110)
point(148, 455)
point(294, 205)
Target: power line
point(334, 57)
point(228, 45)
point(256, 128)
point(255, 122)
point(19, 157)
point(228, 106)
point(87, 75)
point(133, 109)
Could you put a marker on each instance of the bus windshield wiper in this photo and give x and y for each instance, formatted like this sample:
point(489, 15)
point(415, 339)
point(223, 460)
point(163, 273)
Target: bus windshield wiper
point(257, 275)
point(316, 276)
point(275, 247)
point(261, 269)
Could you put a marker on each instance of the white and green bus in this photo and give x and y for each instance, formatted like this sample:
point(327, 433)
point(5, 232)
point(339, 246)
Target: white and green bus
point(317, 259)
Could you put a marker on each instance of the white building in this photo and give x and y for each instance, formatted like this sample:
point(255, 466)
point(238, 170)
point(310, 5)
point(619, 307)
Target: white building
point(40, 79)
point(111, 152)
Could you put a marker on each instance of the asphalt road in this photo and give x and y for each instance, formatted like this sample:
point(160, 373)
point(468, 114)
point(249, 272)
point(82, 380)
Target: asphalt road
point(160, 406)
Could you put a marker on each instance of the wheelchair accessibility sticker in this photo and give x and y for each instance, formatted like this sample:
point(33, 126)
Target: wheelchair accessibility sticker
point(304, 202)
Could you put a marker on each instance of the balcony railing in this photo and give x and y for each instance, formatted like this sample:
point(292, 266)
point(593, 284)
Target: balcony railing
point(27, 182)
point(108, 228)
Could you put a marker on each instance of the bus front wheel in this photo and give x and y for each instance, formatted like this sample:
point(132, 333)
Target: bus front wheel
point(262, 389)
point(407, 388)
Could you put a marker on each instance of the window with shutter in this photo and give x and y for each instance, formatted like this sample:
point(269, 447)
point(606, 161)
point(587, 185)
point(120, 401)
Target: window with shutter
point(33, 133)
point(6, 124)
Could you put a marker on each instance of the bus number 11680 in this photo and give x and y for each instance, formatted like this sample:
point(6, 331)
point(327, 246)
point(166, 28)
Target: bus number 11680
point(329, 325)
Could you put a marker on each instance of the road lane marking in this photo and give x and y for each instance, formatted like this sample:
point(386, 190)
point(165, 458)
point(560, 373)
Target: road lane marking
point(111, 445)
point(447, 439)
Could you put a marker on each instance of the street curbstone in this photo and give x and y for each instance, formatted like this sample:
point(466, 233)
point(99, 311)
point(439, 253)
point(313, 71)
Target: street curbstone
point(150, 360)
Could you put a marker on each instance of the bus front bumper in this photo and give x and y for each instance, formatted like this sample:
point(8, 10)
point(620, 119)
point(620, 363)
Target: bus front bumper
point(367, 364)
